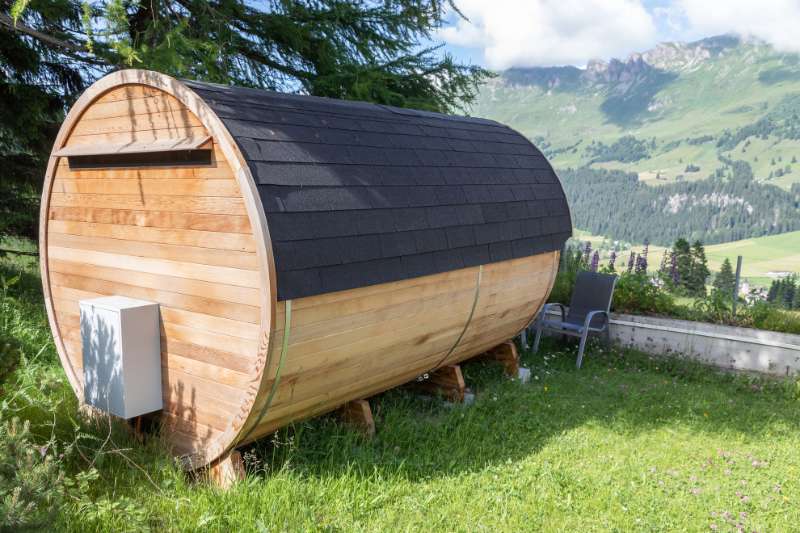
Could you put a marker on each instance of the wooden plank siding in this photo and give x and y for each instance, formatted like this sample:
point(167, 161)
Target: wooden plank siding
point(179, 236)
point(353, 344)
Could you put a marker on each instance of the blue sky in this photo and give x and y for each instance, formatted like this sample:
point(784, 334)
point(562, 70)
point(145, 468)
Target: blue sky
point(505, 33)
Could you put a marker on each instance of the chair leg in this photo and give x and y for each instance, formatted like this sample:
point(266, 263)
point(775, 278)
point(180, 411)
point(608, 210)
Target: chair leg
point(581, 348)
point(537, 338)
point(523, 339)
point(608, 337)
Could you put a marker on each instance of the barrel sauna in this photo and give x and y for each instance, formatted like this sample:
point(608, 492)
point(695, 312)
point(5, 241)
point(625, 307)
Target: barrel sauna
point(304, 252)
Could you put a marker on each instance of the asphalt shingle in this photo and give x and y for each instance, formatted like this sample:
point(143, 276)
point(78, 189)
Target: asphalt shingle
point(357, 194)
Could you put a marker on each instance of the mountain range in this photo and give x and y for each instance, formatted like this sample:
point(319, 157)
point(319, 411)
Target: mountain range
point(704, 135)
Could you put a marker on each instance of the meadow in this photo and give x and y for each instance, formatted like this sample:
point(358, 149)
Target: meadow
point(762, 257)
point(627, 443)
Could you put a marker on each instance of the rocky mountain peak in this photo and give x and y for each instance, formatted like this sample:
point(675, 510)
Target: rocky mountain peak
point(667, 57)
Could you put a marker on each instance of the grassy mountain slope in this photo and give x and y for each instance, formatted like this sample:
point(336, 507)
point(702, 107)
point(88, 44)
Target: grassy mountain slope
point(680, 99)
point(703, 140)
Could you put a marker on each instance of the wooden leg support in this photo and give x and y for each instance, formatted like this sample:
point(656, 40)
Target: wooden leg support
point(447, 381)
point(507, 354)
point(226, 470)
point(359, 414)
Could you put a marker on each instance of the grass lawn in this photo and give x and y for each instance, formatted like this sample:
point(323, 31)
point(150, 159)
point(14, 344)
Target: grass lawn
point(628, 443)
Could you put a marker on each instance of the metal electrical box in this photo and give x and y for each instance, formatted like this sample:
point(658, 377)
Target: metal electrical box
point(121, 355)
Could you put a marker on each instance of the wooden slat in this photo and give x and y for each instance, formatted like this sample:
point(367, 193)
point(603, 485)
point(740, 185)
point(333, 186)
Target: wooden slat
point(188, 254)
point(130, 92)
point(206, 370)
point(138, 106)
point(180, 204)
point(156, 219)
point(201, 239)
point(191, 271)
point(213, 324)
point(225, 359)
point(215, 341)
point(209, 307)
point(169, 315)
point(164, 187)
point(215, 291)
point(114, 118)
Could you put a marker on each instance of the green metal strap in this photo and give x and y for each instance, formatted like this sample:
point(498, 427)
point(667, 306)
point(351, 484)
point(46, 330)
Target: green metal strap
point(287, 326)
point(469, 319)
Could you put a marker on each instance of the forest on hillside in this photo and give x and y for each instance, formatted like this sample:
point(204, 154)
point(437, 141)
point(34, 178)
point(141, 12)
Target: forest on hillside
point(718, 209)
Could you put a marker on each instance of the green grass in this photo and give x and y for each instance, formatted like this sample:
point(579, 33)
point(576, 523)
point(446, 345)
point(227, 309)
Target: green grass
point(628, 443)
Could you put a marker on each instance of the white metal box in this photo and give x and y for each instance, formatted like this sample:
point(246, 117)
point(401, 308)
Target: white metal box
point(121, 355)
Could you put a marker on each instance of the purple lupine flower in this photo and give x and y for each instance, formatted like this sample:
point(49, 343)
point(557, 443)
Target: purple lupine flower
point(587, 252)
point(631, 261)
point(646, 249)
point(612, 259)
point(641, 264)
point(595, 261)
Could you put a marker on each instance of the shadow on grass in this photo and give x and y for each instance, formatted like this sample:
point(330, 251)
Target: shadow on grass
point(626, 392)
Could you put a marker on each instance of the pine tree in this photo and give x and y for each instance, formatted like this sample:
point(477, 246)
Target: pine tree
point(696, 284)
point(38, 78)
point(348, 49)
point(796, 301)
point(725, 280)
point(789, 292)
point(774, 287)
point(351, 49)
point(682, 254)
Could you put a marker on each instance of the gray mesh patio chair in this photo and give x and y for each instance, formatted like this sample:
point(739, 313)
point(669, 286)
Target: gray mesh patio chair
point(588, 311)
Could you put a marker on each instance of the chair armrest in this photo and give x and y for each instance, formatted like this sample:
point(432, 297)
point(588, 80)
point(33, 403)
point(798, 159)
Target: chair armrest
point(560, 306)
point(590, 316)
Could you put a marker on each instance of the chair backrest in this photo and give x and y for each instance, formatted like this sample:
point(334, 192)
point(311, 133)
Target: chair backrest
point(592, 292)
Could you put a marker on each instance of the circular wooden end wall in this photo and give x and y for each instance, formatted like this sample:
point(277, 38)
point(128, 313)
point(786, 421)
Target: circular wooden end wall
point(191, 237)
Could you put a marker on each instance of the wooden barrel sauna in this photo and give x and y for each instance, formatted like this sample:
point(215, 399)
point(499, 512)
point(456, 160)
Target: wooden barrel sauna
point(305, 252)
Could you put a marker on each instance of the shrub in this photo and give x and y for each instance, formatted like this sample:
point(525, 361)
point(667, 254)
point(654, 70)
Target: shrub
point(636, 293)
point(766, 316)
point(31, 479)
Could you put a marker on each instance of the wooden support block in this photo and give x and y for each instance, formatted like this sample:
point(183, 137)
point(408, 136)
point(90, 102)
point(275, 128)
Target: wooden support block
point(447, 381)
point(359, 414)
point(227, 470)
point(507, 354)
point(136, 426)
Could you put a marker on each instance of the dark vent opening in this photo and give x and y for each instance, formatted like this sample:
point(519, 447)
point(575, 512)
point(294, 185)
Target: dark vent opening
point(144, 159)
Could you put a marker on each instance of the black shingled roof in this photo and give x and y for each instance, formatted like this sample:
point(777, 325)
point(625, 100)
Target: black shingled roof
point(358, 194)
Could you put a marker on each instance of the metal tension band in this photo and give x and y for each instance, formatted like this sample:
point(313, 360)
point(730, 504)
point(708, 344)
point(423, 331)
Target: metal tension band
point(287, 326)
point(469, 320)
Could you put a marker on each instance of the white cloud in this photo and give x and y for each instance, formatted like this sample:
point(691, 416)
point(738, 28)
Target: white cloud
point(774, 21)
point(550, 32)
